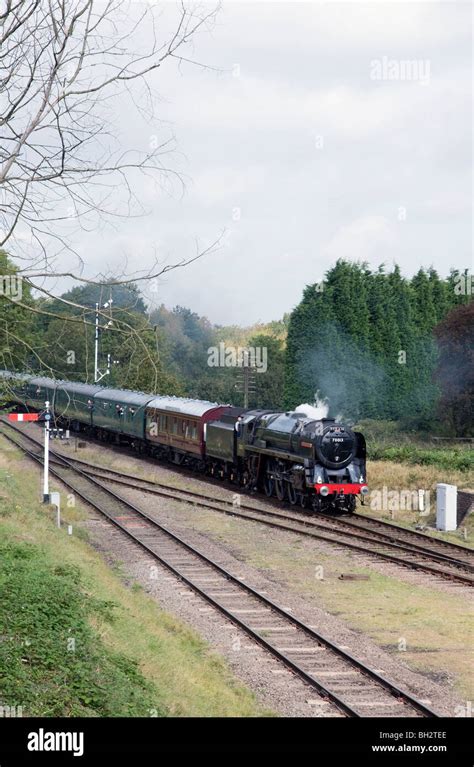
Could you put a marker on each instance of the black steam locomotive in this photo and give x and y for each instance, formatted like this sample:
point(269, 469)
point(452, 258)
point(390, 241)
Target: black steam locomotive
point(317, 464)
point(307, 462)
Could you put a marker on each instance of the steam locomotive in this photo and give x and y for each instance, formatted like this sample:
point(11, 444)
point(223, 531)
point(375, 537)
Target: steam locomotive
point(316, 464)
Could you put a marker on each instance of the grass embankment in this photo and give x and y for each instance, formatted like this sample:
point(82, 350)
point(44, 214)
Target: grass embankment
point(387, 442)
point(400, 477)
point(76, 640)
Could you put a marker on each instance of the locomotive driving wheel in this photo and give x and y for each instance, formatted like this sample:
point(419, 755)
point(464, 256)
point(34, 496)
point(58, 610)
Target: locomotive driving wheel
point(292, 493)
point(269, 478)
point(269, 485)
point(280, 489)
point(250, 473)
point(246, 480)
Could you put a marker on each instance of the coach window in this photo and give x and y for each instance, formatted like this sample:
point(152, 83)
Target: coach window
point(195, 431)
point(175, 425)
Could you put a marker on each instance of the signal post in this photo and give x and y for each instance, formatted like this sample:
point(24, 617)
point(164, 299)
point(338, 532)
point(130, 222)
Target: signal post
point(46, 418)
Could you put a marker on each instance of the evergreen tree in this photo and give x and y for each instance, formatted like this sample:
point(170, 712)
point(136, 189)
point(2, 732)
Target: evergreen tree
point(365, 341)
point(455, 369)
point(269, 383)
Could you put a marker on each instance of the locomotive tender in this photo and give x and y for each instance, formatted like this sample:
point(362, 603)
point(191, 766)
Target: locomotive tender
point(315, 463)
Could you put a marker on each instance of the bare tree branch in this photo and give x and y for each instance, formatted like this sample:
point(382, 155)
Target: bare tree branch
point(62, 65)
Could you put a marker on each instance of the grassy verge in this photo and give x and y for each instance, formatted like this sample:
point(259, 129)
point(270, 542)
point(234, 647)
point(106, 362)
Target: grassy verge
point(458, 459)
point(54, 663)
point(76, 640)
point(387, 442)
point(402, 477)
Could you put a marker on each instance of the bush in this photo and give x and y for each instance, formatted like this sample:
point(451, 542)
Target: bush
point(54, 663)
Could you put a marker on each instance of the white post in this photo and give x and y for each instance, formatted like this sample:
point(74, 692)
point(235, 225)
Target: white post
point(421, 500)
point(56, 501)
point(47, 416)
point(446, 506)
point(96, 346)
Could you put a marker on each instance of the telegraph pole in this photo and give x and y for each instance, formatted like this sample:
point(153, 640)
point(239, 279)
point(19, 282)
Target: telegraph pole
point(246, 373)
point(248, 380)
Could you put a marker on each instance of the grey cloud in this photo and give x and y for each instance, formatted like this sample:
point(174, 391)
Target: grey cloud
point(249, 142)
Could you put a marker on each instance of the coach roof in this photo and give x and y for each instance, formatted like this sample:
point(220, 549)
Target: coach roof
point(17, 376)
point(48, 383)
point(77, 387)
point(183, 405)
point(124, 396)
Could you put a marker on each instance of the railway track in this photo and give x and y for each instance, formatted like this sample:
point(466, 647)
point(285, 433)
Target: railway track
point(369, 542)
point(345, 684)
point(403, 548)
point(394, 531)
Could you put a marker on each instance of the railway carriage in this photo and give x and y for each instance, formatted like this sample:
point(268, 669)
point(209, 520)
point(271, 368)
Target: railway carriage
point(120, 412)
point(74, 403)
point(14, 385)
point(38, 390)
point(176, 427)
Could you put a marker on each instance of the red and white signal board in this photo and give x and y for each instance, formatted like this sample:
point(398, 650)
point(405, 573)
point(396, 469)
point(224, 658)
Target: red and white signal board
point(23, 416)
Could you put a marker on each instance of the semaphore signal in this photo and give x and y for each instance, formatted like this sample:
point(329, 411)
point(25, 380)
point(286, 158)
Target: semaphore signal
point(23, 416)
point(46, 417)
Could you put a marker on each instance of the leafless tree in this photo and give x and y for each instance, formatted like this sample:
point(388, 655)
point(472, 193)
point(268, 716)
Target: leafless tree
point(62, 63)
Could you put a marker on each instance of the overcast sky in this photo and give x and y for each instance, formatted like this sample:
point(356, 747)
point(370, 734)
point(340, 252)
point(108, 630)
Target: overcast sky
point(302, 155)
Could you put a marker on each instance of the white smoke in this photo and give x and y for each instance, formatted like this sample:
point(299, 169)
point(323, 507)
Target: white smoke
point(318, 410)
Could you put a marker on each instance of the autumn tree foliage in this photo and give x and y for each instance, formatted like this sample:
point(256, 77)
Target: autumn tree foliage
point(455, 370)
